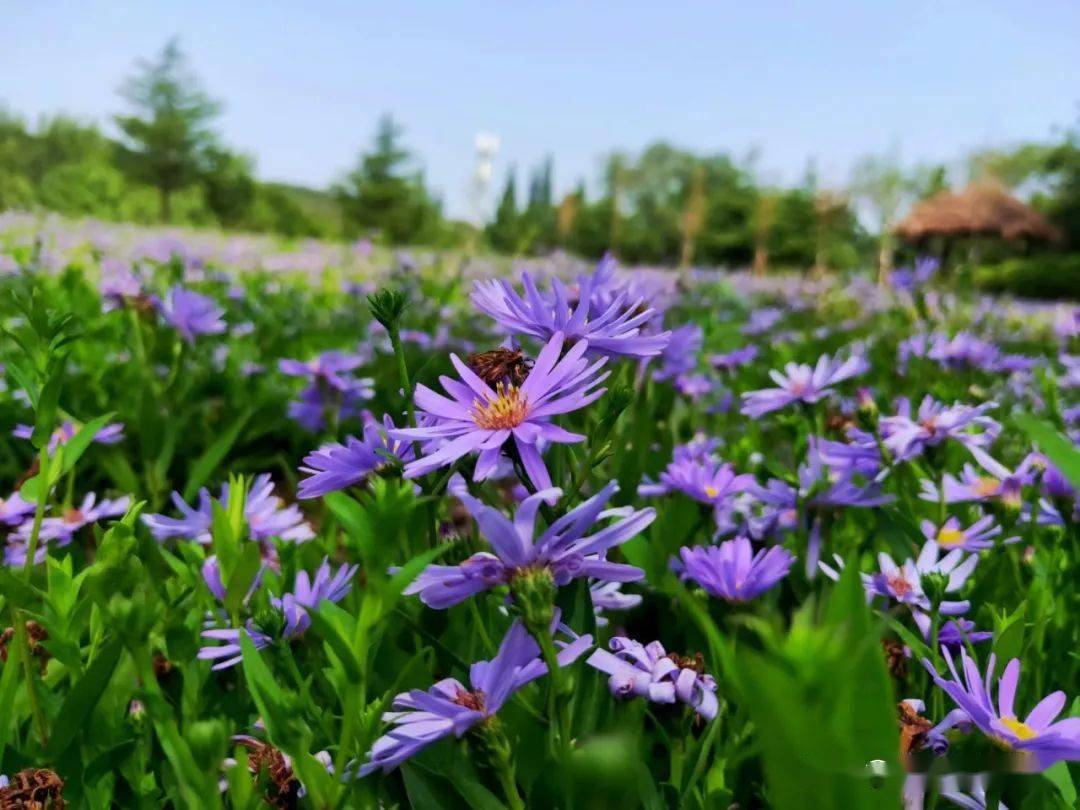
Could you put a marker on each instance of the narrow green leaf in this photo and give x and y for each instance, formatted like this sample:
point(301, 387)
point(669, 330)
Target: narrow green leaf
point(83, 698)
point(242, 576)
point(205, 465)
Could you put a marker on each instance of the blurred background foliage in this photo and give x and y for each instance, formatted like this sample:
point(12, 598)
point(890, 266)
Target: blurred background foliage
point(665, 205)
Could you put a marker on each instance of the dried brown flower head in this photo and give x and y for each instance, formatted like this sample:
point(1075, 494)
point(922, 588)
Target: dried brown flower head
point(284, 786)
point(500, 366)
point(896, 658)
point(913, 729)
point(33, 789)
point(695, 662)
point(35, 634)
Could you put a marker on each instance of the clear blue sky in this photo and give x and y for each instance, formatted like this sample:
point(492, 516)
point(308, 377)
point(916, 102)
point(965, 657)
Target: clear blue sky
point(304, 81)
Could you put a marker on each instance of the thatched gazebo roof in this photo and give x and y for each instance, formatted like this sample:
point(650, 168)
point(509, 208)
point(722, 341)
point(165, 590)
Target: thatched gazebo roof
point(981, 209)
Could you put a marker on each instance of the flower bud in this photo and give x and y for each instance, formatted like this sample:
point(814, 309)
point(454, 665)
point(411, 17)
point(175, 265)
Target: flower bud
point(934, 586)
point(534, 594)
point(866, 412)
point(387, 307)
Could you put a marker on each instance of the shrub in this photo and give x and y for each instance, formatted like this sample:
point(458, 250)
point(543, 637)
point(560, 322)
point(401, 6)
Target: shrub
point(1047, 276)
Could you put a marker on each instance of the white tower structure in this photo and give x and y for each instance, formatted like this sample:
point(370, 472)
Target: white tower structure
point(487, 146)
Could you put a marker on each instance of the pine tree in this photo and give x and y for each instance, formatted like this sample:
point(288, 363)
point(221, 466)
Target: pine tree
point(383, 195)
point(504, 232)
point(168, 133)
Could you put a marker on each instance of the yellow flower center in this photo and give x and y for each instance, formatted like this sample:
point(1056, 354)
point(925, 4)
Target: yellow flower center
point(986, 486)
point(949, 538)
point(507, 410)
point(712, 492)
point(1022, 730)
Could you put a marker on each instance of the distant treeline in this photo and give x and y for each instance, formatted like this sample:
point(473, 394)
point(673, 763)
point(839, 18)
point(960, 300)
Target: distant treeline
point(663, 206)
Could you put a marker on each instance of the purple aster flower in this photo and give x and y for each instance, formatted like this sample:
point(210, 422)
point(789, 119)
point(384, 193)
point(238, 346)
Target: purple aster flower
point(732, 571)
point(762, 320)
point(563, 550)
point(292, 613)
point(909, 280)
point(694, 386)
point(475, 418)
point(615, 331)
point(679, 356)
point(979, 536)
point(608, 596)
point(965, 350)
point(59, 531)
point(193, 523)
point(904, 583)
point(1055, 485)
point(802, 383)
point(63, 528)
point(14, 510)
point(119, 285)
point(973, 799)
point(323, 402)
point(734, 359)
point(266, 514)
point(326, 369)
point(996, 483)
point(914, 346)
point(700, 477)
point(650, 672)
point(111, 433)
point(1038, 740)
point(449, 707)
point(954, 634)
point(935, 423)
point(335, 467)
point(704, 479)
point(192, 314)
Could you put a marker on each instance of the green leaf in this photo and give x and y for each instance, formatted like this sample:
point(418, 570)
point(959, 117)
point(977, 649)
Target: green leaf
point(45, 414)
point(277, 706)
point(83, 698)
point(205, 465)
point(327, 624)
point(243, 575)
point(9, 682)
point(401, 578)
point(1058, 775)
point(1009, 634)
point(77, 444)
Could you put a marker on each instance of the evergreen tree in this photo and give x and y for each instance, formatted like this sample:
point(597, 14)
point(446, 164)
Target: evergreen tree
point(504, 232)
point(168, 132)
point(381, 194)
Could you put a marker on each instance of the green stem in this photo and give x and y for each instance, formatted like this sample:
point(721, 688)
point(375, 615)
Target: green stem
point(501, 760)
point(558, 705)
point(22, 646)
point(44, 472)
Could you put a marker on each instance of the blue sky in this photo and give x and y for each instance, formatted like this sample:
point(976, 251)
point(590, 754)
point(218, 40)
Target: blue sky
point(303, 83)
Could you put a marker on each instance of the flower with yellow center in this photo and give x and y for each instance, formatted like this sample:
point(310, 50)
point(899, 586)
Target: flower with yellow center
point(508, 409)
point(950, 538)
point(1019, 728)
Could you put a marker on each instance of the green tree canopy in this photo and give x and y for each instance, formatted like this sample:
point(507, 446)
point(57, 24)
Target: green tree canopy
point(168, 134)
point(385, 194)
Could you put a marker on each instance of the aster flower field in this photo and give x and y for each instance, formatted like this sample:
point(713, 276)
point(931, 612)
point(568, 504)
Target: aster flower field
point(319, 526)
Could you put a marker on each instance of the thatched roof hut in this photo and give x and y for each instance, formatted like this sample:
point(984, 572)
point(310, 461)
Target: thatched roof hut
point(981, 209)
